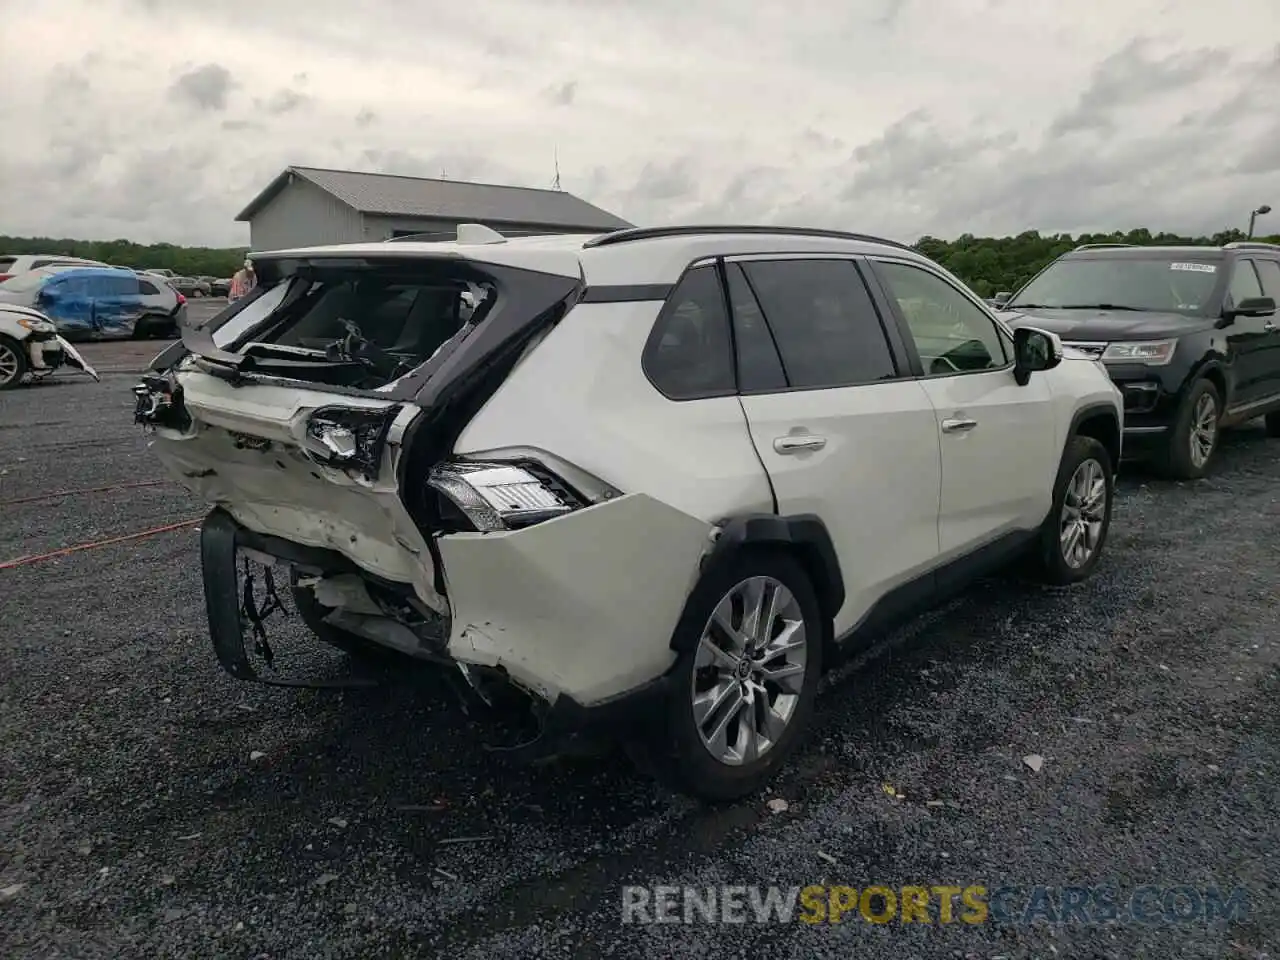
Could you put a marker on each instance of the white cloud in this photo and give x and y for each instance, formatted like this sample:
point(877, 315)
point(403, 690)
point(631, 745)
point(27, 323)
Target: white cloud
point(160, 119)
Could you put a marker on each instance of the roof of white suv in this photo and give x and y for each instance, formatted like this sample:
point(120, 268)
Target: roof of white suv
point(641, 255)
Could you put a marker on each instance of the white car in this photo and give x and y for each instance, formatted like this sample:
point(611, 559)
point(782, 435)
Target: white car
point(655, 482)
point(31, 349)
point(11, 265)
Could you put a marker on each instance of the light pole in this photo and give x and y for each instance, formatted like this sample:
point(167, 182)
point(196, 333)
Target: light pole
point(1261, 211)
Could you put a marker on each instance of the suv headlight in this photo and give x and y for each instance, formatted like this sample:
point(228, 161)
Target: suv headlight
point(1153, 353)
point(495, 495)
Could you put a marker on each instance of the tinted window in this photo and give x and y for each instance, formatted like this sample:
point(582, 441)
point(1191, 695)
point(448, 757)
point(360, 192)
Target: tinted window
point(147, 289)
point(115, 285)
point(951, 334)
point(1169, 283)
point(823, 320)
point(6, 263)
point(1244, 282)
point(687, 355)
point(1269, 271)
point(759, 367)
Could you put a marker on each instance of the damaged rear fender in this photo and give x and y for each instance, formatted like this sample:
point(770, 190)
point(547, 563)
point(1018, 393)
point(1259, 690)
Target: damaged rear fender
point(583, 605)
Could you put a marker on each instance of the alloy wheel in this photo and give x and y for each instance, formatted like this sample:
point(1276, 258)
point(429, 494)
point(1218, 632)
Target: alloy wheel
point(749, 670)
point(1084, 510)
point(1204, 430)
point(9, 365)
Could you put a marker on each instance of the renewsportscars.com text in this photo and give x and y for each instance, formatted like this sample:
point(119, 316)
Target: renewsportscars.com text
point(933, 904)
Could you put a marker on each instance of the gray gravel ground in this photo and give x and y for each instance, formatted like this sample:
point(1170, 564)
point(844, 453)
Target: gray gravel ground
point(137, 818)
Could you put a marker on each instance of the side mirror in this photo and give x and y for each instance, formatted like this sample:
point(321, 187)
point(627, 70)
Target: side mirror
point(1002, 298)
point(1252, 307)
point(1034, 350)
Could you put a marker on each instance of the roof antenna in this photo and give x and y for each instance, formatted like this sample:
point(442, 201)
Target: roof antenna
point(555, 184)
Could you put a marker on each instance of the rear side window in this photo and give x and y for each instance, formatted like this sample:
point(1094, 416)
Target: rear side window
point(1269, 273)
point(147, 289)
point(688, 354)
point(824, 322)
point(117, 285)
point(6, 263)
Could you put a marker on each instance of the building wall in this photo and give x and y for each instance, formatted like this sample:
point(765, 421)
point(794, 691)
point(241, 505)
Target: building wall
point(303, 215)
point(383, 228)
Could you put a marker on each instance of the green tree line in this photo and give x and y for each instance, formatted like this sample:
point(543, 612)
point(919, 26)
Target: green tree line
point(184, 261)
point(988, 264)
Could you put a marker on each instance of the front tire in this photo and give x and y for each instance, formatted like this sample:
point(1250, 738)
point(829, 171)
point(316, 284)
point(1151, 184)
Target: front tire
point(1075, 531)
point(13, 363)
point(743, 687)
point(1194, 438)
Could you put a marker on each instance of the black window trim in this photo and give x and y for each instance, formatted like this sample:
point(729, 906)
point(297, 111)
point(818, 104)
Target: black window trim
point(1257, 260)
point(904, 329)
point(651, 340)
point(898, 354)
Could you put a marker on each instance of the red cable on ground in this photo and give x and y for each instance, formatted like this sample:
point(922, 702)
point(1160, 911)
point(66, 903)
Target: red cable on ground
point(65, 551)
point(75, 493)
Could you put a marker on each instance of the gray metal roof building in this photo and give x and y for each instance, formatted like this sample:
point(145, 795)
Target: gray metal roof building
point(305, 206)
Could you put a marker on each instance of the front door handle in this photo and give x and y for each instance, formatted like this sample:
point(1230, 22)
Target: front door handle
point(1268, 326)
point(958, 425)
point(799, 444)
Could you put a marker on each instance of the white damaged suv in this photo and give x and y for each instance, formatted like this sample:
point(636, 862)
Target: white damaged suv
point(653, 480)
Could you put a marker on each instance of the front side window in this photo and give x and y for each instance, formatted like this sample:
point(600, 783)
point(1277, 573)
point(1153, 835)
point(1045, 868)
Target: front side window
point(688, 354)
point(823, 320)
point(1167, 283)
point(759, 366)
point(1244, 282)
point(1269, 274)
point(951, 334)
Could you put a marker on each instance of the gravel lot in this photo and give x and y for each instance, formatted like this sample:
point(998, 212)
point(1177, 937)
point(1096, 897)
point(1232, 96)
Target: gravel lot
point(150, 806)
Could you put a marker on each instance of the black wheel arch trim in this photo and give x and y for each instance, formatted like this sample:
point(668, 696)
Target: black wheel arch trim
point(805, 534)
point(1100, 408)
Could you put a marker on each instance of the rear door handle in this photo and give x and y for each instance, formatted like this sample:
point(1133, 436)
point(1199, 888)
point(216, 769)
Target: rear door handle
point(799, 444)
point(958, 425)
point(1268, 326)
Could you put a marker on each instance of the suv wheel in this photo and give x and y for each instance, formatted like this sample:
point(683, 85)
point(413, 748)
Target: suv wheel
point(13, 363)
point(1194, 439)
point(743, 689)
point(1075, 531)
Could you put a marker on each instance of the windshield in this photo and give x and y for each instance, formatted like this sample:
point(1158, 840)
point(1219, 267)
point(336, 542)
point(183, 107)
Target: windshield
point(1166, 284)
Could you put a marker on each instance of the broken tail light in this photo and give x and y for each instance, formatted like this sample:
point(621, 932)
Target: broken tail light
point(158, 403)
point(506, 495)
point(349, 438)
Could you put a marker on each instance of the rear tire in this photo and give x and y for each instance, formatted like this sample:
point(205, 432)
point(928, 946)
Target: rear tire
point(359, 649)
point(725, 752)
point(13, 363)
point(1075, 532)
point(1193, 440)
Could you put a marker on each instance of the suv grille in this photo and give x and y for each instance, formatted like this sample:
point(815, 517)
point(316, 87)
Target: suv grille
point(1094, 350)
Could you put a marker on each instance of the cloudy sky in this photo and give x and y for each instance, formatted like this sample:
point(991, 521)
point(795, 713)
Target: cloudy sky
point(160, 119)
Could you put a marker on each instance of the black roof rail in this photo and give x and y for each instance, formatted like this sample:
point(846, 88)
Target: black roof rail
point(1250, 245)
point(654, 233)
point(1099, 246)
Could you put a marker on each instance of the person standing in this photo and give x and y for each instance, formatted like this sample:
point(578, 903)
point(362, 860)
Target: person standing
point(243, 282)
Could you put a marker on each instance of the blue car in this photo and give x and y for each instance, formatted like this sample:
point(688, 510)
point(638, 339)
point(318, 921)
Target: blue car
point(99, 303)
